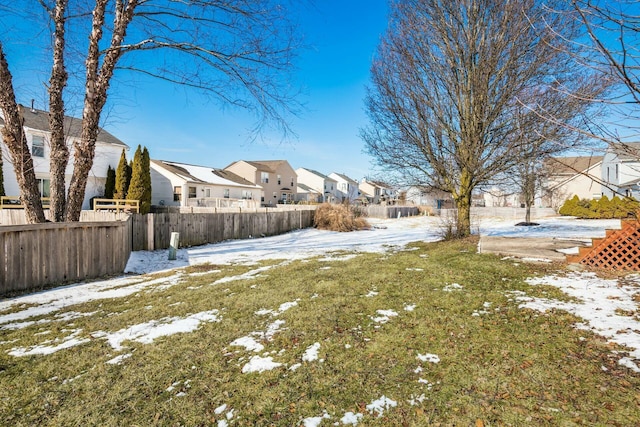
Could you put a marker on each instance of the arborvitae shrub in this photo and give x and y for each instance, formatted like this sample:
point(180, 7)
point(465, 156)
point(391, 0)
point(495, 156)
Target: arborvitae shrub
point(122, 185)
point(110, 184)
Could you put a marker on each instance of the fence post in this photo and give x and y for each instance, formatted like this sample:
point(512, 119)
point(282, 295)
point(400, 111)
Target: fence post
point(150, 232)
point(173, 245)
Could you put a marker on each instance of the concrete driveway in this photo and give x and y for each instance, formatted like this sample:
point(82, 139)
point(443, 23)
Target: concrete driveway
point(528, 247)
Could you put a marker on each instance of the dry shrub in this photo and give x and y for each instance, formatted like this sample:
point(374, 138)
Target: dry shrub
point(338, 218)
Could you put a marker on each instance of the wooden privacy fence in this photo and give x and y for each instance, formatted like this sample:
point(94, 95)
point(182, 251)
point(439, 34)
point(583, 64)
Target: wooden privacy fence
point(379, 211)
point(153, 231)
point(37, 255)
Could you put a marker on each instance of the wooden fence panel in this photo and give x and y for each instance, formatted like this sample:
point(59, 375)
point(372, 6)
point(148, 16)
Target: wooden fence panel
point(202, 228)
point(37, 255)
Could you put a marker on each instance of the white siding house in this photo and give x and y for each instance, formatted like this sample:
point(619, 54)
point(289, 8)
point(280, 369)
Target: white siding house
point(621, 170)
point(36, 126)
point(347, 187)
point(325, 187)
point(179, 184)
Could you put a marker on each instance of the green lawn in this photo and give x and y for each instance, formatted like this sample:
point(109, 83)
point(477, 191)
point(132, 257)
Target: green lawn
point(429, 336)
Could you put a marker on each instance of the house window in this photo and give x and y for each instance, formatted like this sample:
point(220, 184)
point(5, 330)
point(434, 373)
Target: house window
point(246, 194)
point(279, 179)
point(43, 186)
point(275, 195)
point(264, 177)
point(292, 182)
point(226, 193)
point(37, 146)
point(207, 192)
point(192, 192)
point(177, 194)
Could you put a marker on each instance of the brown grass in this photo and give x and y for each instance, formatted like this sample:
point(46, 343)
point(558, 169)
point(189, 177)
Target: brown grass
point(338, 218)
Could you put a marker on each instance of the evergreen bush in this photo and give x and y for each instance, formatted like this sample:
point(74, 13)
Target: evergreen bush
point(604, 208)
point(122, 185)
point(110, 183)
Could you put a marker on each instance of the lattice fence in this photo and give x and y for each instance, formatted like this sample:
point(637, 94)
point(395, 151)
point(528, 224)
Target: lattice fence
point(619, 250)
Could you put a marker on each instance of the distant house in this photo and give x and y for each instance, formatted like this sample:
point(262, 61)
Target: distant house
point(277, 178)
point(325, 187)
point(496, 197)
point(434, 199)
point(347, 187)
point(308, 194)
point(377, 192)
point(180, 184)
point(621, 170)
point(571, 176)
point(36, 126)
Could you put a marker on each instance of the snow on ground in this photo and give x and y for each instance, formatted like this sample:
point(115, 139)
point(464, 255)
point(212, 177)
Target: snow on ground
point(557, 227)
point(607, 307)
point(385, 234)
point(600, 302)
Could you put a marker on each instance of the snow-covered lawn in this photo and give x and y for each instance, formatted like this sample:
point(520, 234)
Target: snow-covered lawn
point(606, 306)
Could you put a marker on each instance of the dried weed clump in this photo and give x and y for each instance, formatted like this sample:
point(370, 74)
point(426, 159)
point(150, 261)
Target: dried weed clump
point(338, 218)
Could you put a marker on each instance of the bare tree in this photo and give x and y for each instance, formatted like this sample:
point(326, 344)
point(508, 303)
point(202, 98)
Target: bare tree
point(611, 47)
point(447, 80)
point(239, 51)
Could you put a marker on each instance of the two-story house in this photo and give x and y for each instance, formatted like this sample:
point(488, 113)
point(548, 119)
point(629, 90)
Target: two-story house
point(36, 126)
point(347, 187)
point(377, 192)
point(621, 170)
point(566, 177)
point(322, 185)
point(276, 177)
point(181, 184)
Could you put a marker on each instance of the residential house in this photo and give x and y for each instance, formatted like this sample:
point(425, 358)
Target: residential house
point(276, 177)
point(36, 125)
point(496, 197)
point(377, 192)
point(347, 187)
point(621, 170)
point(307, 194)
point(566, 177)
point(433, 199)
point(180, 184)
point(326, 187)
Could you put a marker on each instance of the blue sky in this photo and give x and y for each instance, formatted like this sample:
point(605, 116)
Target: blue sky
point(333, 73)
point(184, 126)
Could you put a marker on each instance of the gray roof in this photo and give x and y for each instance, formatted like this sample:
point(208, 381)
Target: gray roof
point(38, 119)
point(321, 175)
point(627, 151)
point(571, 165)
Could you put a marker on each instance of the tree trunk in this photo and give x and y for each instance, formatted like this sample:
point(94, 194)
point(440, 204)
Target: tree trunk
point(463, 219)
point(59, 156)
point(16, 141)
point(98, 76)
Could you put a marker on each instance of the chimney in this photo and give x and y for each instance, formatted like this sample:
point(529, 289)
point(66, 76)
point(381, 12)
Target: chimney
point(33, 110)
